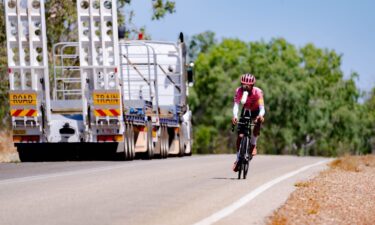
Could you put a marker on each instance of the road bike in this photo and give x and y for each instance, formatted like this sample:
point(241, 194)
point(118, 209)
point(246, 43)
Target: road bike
point(244, 129)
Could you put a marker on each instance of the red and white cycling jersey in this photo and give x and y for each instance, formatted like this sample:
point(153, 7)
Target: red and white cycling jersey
point(254, 99)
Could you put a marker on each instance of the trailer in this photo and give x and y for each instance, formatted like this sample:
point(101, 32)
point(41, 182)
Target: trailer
point(154, 76)
point(111, 97)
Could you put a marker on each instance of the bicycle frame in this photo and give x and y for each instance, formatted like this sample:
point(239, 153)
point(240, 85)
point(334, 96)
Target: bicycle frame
point(245, 129)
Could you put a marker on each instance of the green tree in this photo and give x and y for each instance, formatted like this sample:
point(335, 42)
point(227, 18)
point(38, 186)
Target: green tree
point(369, 114)
point(4, 105)
point(201, 43)
point(310, 108)
point(161, 8)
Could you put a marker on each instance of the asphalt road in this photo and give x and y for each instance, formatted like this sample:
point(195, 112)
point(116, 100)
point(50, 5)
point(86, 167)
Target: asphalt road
point(189, 190)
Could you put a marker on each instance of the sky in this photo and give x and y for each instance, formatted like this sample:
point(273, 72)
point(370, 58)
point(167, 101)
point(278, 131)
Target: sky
point(346, 26)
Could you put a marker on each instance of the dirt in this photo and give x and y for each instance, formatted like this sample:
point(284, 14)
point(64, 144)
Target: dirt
point(343, 194)
point(8, 152)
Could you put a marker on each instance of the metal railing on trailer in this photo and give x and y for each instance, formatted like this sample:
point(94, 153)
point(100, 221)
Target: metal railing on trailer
point(153, 70)
point(155, 76)
point(66, 71)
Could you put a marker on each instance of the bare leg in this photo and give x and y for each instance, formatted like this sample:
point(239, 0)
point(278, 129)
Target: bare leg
point(254, 137)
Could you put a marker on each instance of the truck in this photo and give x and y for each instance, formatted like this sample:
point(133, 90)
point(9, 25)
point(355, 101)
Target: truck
point(110, 97)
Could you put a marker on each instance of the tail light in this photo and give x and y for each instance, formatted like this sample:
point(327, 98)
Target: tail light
point(140, 128)
point(154, 132)
point(110, 138)
point(26, 139)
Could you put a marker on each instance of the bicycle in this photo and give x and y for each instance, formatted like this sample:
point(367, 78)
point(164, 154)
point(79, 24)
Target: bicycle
point(245, 128)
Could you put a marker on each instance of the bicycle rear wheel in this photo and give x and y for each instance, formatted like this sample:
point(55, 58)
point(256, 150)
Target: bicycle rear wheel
point(242, 168)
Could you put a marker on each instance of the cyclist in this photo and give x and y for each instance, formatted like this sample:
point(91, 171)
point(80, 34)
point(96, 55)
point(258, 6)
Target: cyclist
point(255, 104)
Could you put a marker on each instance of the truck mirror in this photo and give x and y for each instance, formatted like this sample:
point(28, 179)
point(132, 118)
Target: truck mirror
point(190, 74)
point(181, 37)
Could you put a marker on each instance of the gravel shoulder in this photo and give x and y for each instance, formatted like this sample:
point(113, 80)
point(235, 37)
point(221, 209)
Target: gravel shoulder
point(343, 194)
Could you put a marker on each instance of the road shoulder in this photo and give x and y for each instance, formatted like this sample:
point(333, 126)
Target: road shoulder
point(263, 205)
point(343, 194)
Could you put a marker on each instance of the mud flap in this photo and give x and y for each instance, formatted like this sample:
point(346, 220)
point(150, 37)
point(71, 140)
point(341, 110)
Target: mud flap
point(37, 152)
point(174, 148)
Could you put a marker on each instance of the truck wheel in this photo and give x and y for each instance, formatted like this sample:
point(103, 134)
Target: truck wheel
point(166, 141)
point(130, 139)
point(158, 144)
point(126, 143)
point(164, 144)
point(150, 145)
point(161, 140)
point(121, 151)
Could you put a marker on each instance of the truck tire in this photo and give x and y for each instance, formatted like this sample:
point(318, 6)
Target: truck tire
point(131, 142)
point(164, 143)
point(161, 142)
point(121, 153)
point(126, 145)
point(150, 145)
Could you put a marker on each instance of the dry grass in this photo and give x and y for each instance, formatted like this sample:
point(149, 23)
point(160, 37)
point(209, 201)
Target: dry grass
point(313, 207)
point(353, 163)
point(279, 220)
point(8, 152)
point(343, 194)
point(302, 184)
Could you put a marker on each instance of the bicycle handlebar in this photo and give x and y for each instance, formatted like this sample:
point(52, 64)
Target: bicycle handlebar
point(243, 100)
point(233, 125)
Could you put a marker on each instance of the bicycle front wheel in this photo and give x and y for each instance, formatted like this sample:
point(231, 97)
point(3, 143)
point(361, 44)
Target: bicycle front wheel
point(240, 169)
point(245, 168)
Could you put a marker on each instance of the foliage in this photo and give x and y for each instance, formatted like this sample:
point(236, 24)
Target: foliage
point(310, 108)
point(160, 8)
point(4, 105)
point(62, 17)
point(370, 108)
point(201, 43)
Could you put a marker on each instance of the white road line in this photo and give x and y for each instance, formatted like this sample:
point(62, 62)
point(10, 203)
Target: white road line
point(247, 198)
